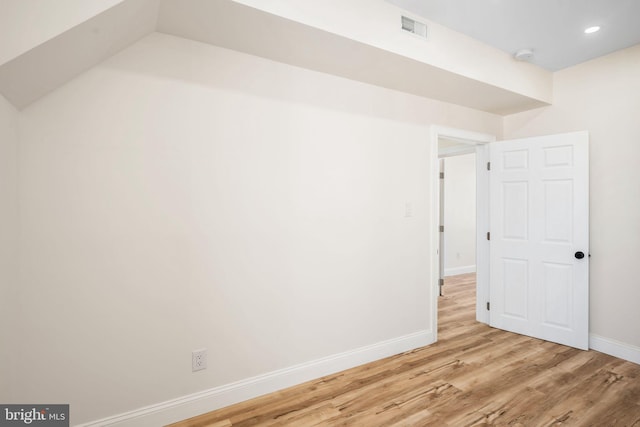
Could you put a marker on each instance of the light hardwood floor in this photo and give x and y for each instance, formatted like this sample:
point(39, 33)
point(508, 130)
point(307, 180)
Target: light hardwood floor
point(473, 376)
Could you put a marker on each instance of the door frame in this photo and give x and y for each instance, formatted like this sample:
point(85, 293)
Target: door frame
point(480, 141)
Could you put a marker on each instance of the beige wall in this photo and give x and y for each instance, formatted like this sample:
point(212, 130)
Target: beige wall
point(8, 239)
point(181, 196)
point(601, 96)
point(459, 214)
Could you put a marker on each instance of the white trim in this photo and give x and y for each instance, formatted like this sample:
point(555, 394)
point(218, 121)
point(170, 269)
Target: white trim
point(481, 141)
point(453, 271)
point(199, 403)
point(434, 226)
point(614, 348)
point(482, 226)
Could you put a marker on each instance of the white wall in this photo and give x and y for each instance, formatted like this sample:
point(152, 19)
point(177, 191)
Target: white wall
point(601, 96)
point(8, 239)
point(459, 214)
point(181, 196)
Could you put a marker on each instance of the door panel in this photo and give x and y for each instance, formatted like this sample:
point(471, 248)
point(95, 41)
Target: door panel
point(515, 196)
point(516, 293)
point(558, 211)
point(539, 218)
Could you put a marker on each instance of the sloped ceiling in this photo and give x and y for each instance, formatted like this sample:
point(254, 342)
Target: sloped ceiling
point(25, 24)
point(49, 65)
point(225, 23)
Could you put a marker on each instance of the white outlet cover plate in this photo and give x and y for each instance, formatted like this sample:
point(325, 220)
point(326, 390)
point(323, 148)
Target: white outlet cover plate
point(199, 360)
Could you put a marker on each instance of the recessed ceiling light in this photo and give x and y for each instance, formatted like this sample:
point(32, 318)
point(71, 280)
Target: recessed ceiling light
point(592, 30)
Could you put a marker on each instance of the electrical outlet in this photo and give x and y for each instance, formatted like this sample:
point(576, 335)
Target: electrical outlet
point(199, 360)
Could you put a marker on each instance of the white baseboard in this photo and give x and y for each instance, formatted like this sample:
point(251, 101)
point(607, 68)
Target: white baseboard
point(614, 348)
point(219, 397)
point(459, 270)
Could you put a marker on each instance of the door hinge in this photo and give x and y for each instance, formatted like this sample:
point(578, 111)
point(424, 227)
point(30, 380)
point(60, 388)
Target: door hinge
point(441, 282)
point(441, 175)
point(488, 166)
point(488, 306)
point(488, 235)
point(442, 228)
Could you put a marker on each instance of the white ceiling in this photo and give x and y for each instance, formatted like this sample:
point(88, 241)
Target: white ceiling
point(554, 29)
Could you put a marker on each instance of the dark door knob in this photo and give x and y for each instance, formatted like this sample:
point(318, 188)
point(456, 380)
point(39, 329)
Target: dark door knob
point(579, 255)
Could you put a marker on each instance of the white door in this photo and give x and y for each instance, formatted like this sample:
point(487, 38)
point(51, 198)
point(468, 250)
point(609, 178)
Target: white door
point(539, 242)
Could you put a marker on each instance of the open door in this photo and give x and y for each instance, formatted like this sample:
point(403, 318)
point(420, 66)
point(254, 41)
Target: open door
point(539, 237)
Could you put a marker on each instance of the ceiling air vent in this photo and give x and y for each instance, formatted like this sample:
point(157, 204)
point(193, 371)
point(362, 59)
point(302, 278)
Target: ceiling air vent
point(415, 27)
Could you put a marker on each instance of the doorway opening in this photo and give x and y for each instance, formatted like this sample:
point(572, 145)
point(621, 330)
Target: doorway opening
point(456, 144)
point(457, 229)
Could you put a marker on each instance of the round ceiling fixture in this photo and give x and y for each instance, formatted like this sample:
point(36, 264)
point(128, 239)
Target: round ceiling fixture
point(592, 30)
point(524, 54)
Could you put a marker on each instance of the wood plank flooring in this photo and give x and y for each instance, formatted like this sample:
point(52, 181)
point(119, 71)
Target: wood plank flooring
point(473, 376)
